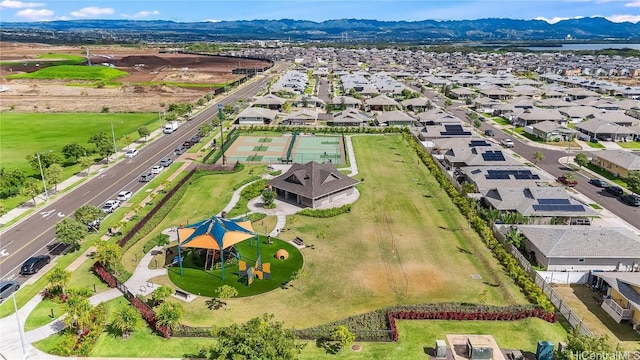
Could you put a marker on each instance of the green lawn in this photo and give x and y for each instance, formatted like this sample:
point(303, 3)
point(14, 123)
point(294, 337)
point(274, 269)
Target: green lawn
point(46, 132)
point(73, 72)
point(606, 175)
point(630, 145)
point(499, 120)
point(595, 145)
point(41, 315)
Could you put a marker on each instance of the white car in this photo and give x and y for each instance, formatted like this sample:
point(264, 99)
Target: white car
point(508, 143)
point(156, 169)
point(124, 195)
point(110, 206)
point(131, 153)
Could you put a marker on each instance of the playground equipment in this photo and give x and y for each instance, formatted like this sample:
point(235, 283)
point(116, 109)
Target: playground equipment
point(260, 270)
point(282, 254)
point(215, 234)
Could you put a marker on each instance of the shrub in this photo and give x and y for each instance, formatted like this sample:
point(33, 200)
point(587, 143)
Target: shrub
point(254, 190)
point(325, 213)
point(158, 240)
point(246, 181)
point(104, 275)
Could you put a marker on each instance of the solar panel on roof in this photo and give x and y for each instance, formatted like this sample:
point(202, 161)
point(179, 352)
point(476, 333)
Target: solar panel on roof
point(554, 201)
point(474, 143)
point(555, 207)
point(476, 171)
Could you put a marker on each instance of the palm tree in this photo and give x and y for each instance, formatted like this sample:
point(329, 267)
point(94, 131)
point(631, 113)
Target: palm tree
point(538, 156)
point(78, 311)
point(108, 254)
point(515, 238)
point(58, 279)
point(125, 320)
point(169, 314)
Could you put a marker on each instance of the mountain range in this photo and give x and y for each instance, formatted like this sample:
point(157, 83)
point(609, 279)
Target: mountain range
point(492, 29)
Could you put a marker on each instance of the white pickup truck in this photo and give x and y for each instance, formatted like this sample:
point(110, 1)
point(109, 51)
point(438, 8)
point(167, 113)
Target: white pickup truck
point(170, 127)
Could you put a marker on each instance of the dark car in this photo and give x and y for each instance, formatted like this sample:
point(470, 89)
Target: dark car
point(7, 288)
point(187, 144)
point(614, 190)
point(195, 139)
point(631, 199)
point(34, 264)
point(599, 183)
point(180, 150)
point(489, 132)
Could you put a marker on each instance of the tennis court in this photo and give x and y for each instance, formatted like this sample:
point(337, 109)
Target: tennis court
point(279, 149)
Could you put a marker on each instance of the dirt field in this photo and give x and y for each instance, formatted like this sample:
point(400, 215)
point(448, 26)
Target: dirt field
point(143, 66)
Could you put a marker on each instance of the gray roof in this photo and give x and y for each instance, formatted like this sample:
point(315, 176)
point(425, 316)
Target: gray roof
point(477, 174)
point(522, 200)
point(255, 112)
point(396, 115)
point(623, 282)
point(269, 99)
point(312, 180)
point(561, 241)
point(603, 126)
point(381, 100)
point(624, 159)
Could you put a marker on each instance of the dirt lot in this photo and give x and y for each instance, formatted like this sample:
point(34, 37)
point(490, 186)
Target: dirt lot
point(143, 65)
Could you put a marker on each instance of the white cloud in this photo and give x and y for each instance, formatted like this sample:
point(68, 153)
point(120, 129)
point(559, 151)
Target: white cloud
point(624, 18)
point(556, 19)
point(633, 4)
point(141, 14)
point(92, 12)
point(212, 20)
point(11, 4)
point(35, 15)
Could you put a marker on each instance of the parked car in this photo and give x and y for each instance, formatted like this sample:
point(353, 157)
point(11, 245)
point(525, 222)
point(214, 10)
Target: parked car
point(157, 169)
point(599, 183)
point(187, 144)
point(180, 150)
point(166, 162)
point(124, 195)
point(508, 143)
point(570, 183)
point(131, 153)
point(489, 132)
point(7, 288)
point(614, 190)
point(34, 264)
point(631, 199)
point(94, 226)
point(110, 206)
point(195, 139)
point(146, 177)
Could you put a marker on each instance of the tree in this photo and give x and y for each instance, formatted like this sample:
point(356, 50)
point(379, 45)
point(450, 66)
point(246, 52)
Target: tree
point(570, 176)
point(86, 162)
point(144, 131)
point(58, 279)
point(538, 156)
point(447, 103)
point(514, 237)
point(73, 151)
point(125, 320)
point(258, 338)
point(268, 197)
point(581, 159)
point(633, 181)
point(103, 143)
point(468, 188)
point(161, 294)
point(3, 210)
point(227, 292)
point(126, 140)
point(584, 344)
point(169, 314)
point(31, 188)
point(204, 130)
point(108, 254)
point(88, 213)
point(53, 175)
point(78, 311)
point(343, 336)
point(11, 180)
point(46, 159)
point(70, 231)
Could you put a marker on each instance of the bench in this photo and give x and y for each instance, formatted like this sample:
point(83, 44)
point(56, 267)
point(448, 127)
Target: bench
point(298, 241)
point(182, 294)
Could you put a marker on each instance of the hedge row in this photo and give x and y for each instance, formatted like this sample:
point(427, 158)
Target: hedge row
point(325, 213)
point(326, 129)
point(520, 277)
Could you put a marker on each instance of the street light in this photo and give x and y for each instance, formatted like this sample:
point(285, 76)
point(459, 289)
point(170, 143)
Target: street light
point(115, 148)
point(221, 133)
point(44, 184)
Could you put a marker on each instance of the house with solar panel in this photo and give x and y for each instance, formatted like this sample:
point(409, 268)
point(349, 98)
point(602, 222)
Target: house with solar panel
point(580, 248)
point(455, 153)
point(445, 131)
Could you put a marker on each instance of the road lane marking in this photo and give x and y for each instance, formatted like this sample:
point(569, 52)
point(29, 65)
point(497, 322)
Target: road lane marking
point(4, 252)
point(46, 214)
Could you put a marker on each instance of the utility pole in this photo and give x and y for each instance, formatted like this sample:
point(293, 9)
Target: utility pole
point(20, 330)
point(220, 117)
point(44, 184)
point(115, 148)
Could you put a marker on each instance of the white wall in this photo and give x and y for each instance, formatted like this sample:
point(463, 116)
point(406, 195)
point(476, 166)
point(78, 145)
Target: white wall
point(565, 277)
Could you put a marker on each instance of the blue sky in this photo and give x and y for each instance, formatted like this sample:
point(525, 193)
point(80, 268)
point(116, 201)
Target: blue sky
point(317, 10)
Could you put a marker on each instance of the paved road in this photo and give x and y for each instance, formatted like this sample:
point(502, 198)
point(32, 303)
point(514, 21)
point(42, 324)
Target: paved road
point(551, 164)
point(36, 234)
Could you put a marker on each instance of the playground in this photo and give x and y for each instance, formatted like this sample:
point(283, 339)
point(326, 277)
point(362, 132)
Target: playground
point(290, 148)
point(219, 251)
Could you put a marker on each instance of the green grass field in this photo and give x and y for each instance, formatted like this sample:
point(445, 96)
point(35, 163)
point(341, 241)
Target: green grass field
point(24, 134)
point(74, 72)
point(52, 60)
